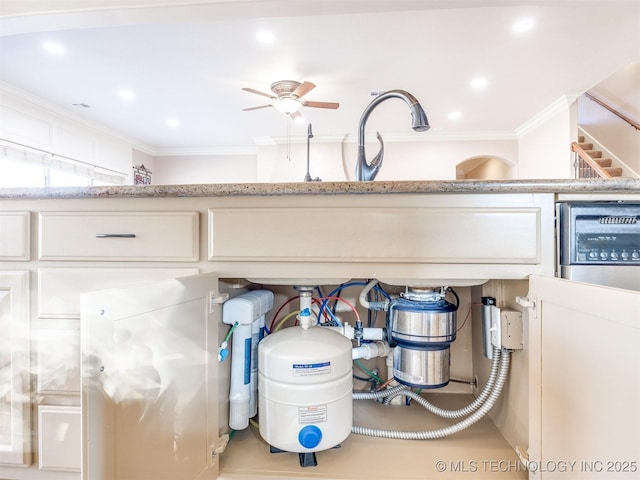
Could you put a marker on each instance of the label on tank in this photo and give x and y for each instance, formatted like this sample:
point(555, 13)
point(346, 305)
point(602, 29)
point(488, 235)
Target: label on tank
point(315, 414)
point(306, 369)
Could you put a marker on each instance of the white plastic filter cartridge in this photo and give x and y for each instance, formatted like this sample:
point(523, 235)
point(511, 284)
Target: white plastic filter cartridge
point(248, 310)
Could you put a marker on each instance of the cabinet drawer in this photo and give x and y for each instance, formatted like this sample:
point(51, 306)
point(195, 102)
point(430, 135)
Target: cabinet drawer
point(59, 289)
point(59, 438)
point(126, 236)
point(14, 236)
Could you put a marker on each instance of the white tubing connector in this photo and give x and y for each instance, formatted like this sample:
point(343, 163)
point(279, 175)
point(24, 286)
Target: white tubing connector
point(371, 350)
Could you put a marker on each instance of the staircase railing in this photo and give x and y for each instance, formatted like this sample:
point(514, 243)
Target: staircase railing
point(612, 110)
point(584, 166)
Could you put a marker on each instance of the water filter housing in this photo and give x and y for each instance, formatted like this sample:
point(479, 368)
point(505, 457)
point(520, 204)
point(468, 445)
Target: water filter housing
point(248, 311)
point(304, 389)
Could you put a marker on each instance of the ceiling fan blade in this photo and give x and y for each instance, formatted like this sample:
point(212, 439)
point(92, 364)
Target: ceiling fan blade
point(258, 92)
point(256, 108)
point(303, 89)
point(332, 105)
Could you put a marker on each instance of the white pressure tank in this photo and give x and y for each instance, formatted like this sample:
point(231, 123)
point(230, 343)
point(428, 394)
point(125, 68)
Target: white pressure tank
point(304, 389)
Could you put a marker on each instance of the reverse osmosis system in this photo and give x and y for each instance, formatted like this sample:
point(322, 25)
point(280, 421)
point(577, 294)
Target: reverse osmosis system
point(300, 379)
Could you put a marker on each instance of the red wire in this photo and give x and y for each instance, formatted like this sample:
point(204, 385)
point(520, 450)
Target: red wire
point(279, 310)
point(467, 317)
point(344, 301)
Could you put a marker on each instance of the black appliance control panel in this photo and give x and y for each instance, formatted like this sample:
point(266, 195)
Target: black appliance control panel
point(605, 233)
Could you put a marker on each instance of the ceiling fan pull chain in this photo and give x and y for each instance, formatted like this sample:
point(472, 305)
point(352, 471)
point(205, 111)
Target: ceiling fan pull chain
point(288, 140)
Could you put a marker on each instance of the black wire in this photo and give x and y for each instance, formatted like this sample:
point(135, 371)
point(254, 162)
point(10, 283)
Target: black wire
point(449, 289)
point(362, 379)
point(466, 382)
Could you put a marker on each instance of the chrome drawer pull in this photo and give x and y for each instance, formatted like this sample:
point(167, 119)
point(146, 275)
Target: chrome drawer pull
point(115, 235)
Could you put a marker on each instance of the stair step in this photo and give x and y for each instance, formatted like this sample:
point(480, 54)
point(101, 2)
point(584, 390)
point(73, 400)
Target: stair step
point(586, 146)
point(594, 153)
point(613, 171)
point(580, 138)
point(603, 162)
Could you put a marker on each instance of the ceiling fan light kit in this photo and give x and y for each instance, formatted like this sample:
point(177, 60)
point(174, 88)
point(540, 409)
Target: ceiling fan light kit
point(287, 105)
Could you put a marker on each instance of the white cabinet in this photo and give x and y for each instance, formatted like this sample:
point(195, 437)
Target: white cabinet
point(584, 380)
point(150, 392)
point(113, 236)
point(15, 236)
point(15, 400)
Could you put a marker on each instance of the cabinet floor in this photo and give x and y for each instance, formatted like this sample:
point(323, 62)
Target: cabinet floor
point(479, 452)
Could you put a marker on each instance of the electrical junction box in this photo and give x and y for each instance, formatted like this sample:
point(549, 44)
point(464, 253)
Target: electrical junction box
point(506, 328)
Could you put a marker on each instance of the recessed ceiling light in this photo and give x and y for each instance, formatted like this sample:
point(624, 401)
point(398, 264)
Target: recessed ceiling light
point(173, 123)
point(523, 25)
point(454, 115)
point(53, 48)
point(479, 83)
point(127, 94)
point(265, 37)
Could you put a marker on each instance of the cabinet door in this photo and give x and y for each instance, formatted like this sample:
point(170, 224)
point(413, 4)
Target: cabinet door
point(584, 380)
point(15, 419)
point(149, 381)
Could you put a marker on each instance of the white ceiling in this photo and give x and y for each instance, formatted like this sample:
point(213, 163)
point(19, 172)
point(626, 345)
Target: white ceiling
point(189, 61)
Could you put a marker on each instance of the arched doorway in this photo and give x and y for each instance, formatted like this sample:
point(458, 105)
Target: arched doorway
point(484, 168)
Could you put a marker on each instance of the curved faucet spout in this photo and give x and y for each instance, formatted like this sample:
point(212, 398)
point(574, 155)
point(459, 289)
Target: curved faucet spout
point(419, 123)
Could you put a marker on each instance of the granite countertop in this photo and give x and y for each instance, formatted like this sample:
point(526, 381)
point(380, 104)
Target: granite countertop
point(330, 188)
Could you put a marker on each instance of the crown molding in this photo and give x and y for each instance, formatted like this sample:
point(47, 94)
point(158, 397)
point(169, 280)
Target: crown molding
point(68, 114)
point(439, 136)
point(295, 139)
point(204, 151)
point(560, 105)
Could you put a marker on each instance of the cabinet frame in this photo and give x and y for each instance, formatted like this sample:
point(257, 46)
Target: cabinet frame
point(14, 291)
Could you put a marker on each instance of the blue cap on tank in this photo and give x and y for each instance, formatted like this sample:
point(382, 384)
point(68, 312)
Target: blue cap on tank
point(310, 436)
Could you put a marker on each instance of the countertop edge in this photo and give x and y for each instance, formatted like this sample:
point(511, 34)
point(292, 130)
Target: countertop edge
point(328, 188)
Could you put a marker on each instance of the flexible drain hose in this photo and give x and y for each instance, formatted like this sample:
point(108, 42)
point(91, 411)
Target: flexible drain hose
point(445, 431)
point(379, 394)
point(402, 390)
point(469, 409)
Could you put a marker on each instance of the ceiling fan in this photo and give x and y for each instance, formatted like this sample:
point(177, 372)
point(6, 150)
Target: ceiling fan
point(286, 98)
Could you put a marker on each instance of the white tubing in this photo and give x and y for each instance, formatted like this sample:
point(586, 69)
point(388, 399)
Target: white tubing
point(370, 350)
point(367, 333)
point(365, 291)
point(445, 431)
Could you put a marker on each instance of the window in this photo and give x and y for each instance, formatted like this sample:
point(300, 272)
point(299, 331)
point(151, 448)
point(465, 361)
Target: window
point(22, 166)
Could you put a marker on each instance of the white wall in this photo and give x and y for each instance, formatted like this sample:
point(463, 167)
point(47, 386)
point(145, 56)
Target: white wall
point(437, 160)
point(284, 162)
point(334, 159)
point(544, 147)
point(204, 169)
